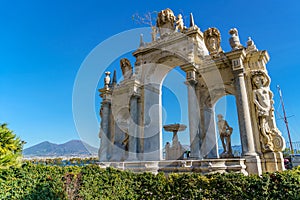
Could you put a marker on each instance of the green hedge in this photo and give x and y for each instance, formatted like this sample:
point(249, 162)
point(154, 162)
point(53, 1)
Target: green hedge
point(33, 181)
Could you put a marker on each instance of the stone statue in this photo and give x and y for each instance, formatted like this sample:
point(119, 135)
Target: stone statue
point(142, 43)
point(250, 45)
point(179, 24)
point(121, 136)
point(126, 141)
point(107, 79)
point(126, 68)
point(225, 132)
point(167, 148)
point(262, 99)
point(165, 16)
point(212, 40)
point(165, 21)
point(270, 137)
point(153, 33)
point(234, 40)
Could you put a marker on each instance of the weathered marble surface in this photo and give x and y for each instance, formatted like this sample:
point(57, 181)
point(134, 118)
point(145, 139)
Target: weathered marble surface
point(131, 111)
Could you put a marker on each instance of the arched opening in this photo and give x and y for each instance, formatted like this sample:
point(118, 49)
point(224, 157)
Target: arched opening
point(175, 107)
point(226, 106)
point(158, 75)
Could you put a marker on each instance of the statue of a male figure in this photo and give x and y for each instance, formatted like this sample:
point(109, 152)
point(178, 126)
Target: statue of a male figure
point(262, 99)
point(225, 132)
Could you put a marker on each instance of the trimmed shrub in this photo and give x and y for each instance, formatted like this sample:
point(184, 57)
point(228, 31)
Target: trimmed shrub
point(37, 181)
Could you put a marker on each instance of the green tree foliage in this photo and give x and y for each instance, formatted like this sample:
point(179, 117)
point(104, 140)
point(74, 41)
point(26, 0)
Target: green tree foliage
point(10, 148)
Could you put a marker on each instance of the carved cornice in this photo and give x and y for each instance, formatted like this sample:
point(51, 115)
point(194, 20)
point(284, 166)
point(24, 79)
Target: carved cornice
point(171, 39)
point(257, 60)
point(237, 54)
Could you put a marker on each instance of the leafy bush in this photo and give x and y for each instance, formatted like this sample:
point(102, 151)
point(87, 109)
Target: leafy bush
point(37, 181)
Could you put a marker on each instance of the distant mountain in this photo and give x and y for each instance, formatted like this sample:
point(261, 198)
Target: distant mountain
point(236, 150)
point(71, 148)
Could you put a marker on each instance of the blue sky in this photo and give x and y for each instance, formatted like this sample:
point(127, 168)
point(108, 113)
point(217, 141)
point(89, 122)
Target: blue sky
point(43, 44)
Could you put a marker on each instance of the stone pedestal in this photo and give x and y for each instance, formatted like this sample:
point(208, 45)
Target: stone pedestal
point(206, 166)
point(176, 151)
point(253, 164)
point(270, 161)
point(273, 161)
point(280, 163)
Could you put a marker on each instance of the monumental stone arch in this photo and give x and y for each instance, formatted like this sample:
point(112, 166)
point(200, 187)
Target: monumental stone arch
point(131, 111)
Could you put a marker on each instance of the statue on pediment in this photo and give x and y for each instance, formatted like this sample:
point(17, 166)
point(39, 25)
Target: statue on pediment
point(179, 24)
point(165, 21)
point(234, 40)
point(126, 68)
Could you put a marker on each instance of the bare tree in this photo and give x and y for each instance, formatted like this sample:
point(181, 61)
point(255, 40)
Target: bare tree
point(148, 18)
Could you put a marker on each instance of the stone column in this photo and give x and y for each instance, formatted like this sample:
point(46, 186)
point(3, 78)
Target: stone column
point(140, 138)
point(152, 122)
point(104, 154)
point(133, 128)
point(194, 120)
point(246, 134)
point(111, 134)
point(244, 115)
point(209, 143)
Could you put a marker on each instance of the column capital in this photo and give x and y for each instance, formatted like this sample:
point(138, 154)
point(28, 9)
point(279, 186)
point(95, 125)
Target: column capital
point(105, 94)
point(192, 83)
point(135, 91)
point(188, 67)
point(237, 58)
point(237, 65)
point(237, 54)
point(135, 95)
point(191, 76)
